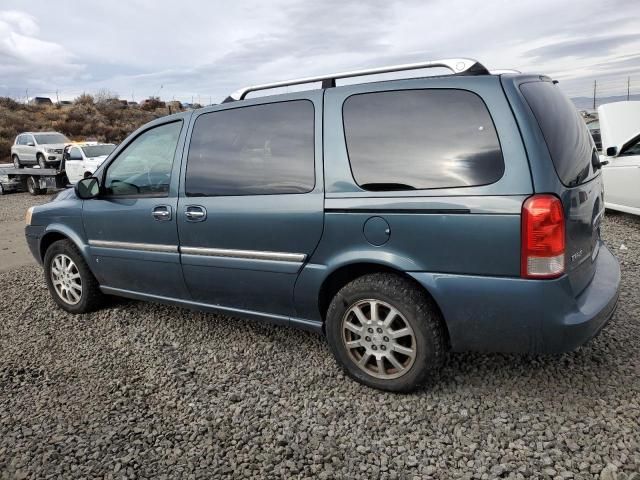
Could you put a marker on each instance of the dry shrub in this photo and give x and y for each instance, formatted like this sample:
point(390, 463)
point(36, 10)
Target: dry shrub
point(106, 121)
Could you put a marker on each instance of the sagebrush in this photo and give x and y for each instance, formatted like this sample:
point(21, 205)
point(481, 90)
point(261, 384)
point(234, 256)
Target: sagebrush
point(84, 119)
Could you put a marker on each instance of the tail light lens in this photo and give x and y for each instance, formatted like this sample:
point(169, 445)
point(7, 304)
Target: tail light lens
point(543, 237)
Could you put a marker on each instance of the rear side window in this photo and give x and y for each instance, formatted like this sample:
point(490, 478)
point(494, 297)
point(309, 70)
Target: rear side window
point(567, 136)
point(257, 150)
point(421, 139)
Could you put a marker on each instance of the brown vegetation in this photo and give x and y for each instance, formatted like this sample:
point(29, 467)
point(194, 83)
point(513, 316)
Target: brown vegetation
point(105, 119)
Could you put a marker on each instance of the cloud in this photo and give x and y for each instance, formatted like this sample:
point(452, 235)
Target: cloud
point(25, 59)
point(213, 48)
point(586, 47)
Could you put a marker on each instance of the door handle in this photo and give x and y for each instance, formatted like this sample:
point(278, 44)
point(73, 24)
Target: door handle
point(162, 213)
point(195, 213)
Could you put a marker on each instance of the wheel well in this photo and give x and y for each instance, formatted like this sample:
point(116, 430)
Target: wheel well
point(48, 240)
point(343, 275)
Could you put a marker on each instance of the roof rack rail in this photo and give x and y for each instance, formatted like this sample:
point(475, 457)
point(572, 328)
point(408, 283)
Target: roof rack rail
point(459, 66)
point(500, 71)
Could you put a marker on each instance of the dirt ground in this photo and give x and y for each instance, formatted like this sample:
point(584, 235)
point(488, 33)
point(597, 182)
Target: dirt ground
point(13, 247)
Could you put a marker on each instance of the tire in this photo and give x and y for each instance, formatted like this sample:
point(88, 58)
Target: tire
point(89, 297)
point(413, 313)
point(32, 186)
point(1, 190)
point(41, 160)
point(16, 161)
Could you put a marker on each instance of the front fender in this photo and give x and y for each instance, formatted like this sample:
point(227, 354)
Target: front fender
point(71, 234)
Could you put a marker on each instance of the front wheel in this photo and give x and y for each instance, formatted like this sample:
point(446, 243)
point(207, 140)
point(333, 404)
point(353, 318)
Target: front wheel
point(69, 280)
point(386, 333)
point(42, 161)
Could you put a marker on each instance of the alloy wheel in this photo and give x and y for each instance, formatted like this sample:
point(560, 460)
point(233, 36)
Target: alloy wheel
point(379, 339)
point(66, 279)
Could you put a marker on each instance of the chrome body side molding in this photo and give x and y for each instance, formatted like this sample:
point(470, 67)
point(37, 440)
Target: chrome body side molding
point(245, 254)
point(207, 252)
point(145, 247)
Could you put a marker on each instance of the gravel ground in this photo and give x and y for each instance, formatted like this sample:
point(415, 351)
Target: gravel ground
point(147, 391)
point(13, 206)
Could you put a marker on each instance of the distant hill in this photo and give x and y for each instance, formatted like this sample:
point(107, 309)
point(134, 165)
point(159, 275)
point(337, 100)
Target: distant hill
point(586, 103)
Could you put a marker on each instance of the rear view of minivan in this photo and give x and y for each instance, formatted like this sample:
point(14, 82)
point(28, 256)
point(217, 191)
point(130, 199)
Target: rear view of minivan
point(402, 219)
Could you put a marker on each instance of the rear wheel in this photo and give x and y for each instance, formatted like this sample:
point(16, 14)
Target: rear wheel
point(69, 280)
point(42, 161)
point(33, 187)
point(16, 161)
point(386, 333)
point(1, 189)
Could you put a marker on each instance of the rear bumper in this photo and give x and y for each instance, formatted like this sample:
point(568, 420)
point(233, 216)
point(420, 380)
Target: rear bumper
point(490, 314)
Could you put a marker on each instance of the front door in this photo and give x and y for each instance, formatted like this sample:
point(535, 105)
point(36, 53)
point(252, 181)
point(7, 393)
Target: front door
point(622, 177)
point(74, 165)
point(131, 226)
point(251, 207)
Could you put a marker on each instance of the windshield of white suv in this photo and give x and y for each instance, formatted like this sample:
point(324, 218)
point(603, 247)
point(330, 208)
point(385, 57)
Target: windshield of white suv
point(98, 150)
point(50, 138)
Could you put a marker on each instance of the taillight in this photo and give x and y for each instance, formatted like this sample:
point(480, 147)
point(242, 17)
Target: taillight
point(543, 242)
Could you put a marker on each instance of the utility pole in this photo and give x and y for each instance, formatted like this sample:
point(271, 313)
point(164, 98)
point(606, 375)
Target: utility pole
point(57, 98)
point(628, 87)
point(595, 83)
point(26, 96)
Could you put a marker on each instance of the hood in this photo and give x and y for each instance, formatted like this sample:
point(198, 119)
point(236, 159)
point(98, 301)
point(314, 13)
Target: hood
point(619, 123)
point(57, 145)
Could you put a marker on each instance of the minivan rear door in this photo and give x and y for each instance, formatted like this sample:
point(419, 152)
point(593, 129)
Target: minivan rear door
point(576, 162)
point(250, 211)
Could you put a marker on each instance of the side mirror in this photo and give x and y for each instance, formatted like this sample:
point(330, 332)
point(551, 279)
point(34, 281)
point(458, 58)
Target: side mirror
point(612, 151)
point(87, 188)
point(31, 144)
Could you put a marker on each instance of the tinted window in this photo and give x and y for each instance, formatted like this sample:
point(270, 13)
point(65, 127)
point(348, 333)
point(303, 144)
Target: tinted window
point(74, 154)
point(143, 168)
point(257, 150)
point(567, 137)
point(420, 139)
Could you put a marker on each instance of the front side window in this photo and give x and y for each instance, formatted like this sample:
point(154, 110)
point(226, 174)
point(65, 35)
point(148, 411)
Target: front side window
point(143, 168)
point(20, 140)
point(257, 150)
point(74, 154)
point(421, 139)
point(632, 149)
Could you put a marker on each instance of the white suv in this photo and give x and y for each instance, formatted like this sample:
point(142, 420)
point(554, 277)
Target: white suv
point(41, 148)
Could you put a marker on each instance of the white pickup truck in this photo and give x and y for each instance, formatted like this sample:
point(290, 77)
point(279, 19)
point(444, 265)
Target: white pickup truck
point(82, 159)
point(620, 130)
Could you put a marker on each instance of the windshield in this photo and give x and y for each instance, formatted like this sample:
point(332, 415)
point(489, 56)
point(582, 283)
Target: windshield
point(98, 150)
point(51, 138)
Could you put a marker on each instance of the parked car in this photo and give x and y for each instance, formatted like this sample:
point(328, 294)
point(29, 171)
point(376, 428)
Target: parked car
point(620, 127)
point(82, 159)
point(38, 148)
point(402, 219)
point(594, 130)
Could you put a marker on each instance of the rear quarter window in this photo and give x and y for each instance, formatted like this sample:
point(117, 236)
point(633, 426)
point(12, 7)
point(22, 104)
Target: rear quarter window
point(567, 136)
point(421, 139)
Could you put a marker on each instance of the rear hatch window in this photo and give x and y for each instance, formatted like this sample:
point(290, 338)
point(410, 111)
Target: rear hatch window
point(570, 144)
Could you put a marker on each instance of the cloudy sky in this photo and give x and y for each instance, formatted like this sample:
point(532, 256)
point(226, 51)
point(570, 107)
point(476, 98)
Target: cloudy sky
point(206, 49)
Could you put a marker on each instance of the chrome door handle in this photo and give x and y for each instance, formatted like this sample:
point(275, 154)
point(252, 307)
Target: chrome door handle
point(195, 213)
point(162, 213)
